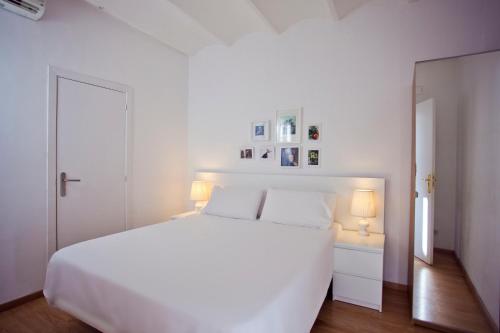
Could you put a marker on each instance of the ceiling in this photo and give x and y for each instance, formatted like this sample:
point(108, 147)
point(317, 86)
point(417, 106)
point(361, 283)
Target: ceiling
point(190, 25)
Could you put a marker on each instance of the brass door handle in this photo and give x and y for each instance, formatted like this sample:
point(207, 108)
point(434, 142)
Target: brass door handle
point(431, 182)
point(428, 180)
point(63, 182)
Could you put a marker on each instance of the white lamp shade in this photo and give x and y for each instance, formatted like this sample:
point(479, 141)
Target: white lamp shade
point(199, 191)
point(363, 203)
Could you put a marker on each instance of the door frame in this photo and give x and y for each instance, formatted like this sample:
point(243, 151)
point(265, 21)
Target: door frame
point(54, 73)
point(413, 174)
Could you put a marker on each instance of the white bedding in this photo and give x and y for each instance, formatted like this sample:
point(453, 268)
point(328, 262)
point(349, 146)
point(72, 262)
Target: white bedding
point(197, 274)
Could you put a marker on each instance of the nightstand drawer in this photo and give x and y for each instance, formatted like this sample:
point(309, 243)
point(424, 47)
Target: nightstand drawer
point(356, 290)
point(363, 264)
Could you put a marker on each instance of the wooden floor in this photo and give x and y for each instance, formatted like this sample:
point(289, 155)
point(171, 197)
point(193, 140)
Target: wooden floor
point(442, 296)
point(37, 316)
point(347, 318)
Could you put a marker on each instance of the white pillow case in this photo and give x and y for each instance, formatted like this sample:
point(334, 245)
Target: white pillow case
point(234, 202)
point(299, 208)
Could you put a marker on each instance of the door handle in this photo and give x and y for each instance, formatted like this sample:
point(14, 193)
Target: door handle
point(63, 182)
point(431, 182)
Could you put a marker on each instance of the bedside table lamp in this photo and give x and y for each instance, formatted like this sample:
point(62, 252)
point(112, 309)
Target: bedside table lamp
point(363, 205)
point(199, 193)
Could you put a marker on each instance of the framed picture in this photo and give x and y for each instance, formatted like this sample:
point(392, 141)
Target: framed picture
point(314, 132)
point(288, 126)
point(290, 156)
point(247, 153)
point(266, 153)
point(260, 130)
point(313, 156)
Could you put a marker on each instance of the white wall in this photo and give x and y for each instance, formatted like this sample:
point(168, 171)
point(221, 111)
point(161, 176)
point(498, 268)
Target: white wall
point(479, 174)
point(353, 75)
point(76, 36)
point(439, 80)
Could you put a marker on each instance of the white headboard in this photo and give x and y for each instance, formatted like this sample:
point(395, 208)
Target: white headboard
point(342, 186)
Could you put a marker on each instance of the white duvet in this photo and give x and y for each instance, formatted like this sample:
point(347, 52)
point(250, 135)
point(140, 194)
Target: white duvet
point(197, 274)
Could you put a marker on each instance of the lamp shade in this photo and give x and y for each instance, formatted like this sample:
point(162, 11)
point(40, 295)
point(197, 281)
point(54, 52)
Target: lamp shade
point(199, 191)
point(363, 203)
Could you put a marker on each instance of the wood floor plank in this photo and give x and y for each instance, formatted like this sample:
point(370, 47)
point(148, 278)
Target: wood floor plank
point(443, 298)
point(37, 317)
point(334, 317)
point(347, 318)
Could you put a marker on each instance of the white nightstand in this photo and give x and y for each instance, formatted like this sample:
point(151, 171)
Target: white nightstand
point(358, 268)
point(185, 214)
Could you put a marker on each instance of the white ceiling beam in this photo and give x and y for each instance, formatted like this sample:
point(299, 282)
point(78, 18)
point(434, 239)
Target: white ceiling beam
point(161, 20)
point(345, 7)
point(264, 18)
point(284, 13)
point(333, 10)
point(228, 20)
point(190, 25)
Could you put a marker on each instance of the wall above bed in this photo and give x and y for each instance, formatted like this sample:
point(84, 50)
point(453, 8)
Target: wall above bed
point(354, 76)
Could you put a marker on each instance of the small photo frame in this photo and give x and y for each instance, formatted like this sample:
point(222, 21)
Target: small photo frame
point(266, 153)
point(314, 132)
point(247, 153)
point(313, 157)
point(290, 156)
point(288, 126)
point(260, 130)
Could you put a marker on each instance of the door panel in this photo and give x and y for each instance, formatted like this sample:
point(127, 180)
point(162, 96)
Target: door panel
point(91, 139)
point(425, 143)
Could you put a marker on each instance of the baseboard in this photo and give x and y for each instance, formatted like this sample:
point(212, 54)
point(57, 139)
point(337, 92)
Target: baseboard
point(395, 286)
point(20, 301)
point(468, 280)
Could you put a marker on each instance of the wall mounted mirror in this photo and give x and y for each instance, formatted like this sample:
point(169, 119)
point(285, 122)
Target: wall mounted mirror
point(456, 204)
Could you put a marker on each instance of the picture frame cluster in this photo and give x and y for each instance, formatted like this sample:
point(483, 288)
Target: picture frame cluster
point(286, 147)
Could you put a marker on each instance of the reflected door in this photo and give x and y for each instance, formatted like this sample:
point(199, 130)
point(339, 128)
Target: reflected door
point(425, 147)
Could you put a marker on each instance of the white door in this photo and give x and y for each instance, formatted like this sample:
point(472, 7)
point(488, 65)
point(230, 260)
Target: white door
point(425, 147)
point(91, 161)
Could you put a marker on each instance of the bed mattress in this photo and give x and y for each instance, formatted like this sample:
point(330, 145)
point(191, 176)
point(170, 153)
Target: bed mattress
point(197, 274)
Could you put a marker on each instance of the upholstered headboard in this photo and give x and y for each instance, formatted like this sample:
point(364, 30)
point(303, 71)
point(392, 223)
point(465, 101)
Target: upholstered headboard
point(342, 186)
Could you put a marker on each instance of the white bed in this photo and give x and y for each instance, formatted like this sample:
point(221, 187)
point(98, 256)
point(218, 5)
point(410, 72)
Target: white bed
point(197, 274)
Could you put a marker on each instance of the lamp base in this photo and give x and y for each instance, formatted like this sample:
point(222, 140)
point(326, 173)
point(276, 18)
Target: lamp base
point(363, 228)
point(199, 205)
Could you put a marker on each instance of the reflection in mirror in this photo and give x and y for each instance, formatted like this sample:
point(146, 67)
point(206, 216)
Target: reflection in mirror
point(456, 281)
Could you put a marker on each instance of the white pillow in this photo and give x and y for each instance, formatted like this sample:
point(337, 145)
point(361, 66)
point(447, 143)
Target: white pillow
point(234, 202)
point(299, 208)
